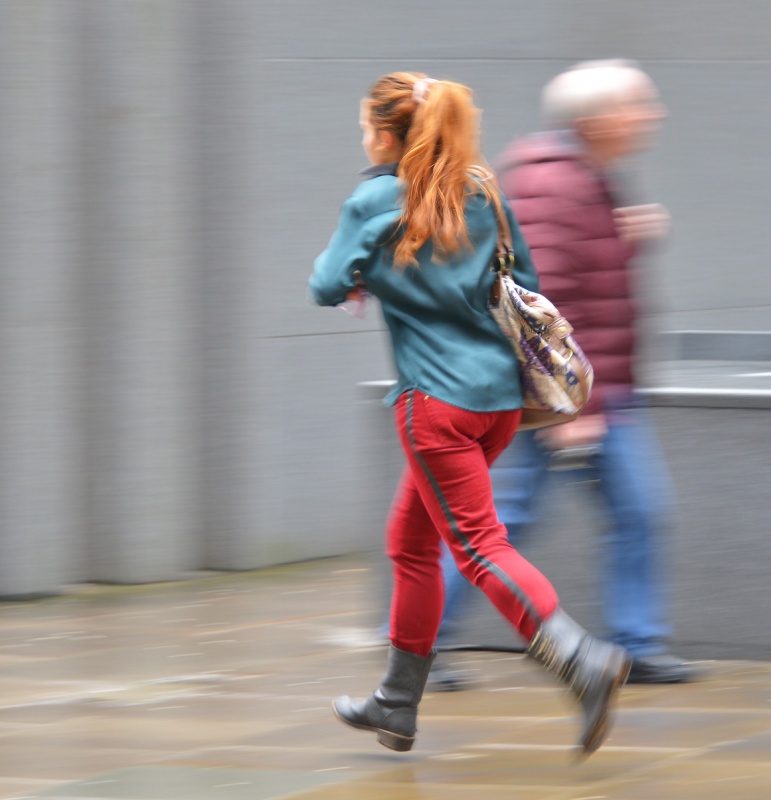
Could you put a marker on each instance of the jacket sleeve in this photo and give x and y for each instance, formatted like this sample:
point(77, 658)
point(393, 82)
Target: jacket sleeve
point(567, 251)
point(350, 249)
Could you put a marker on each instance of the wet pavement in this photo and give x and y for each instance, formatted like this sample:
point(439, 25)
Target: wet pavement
point(219, 688)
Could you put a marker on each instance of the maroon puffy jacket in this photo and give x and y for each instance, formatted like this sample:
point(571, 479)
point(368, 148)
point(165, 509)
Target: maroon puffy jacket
point(566, 214)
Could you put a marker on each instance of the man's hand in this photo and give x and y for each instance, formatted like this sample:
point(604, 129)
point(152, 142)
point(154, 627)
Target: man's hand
point(639, 224)
point(590, 429)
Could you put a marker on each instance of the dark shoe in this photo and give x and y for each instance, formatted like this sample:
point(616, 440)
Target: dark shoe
point(444, 678)
point(663, 668)
point(392, 710)
point(592, 669)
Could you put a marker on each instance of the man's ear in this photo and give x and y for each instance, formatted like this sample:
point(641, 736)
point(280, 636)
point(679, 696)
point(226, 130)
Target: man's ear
point(593, 128)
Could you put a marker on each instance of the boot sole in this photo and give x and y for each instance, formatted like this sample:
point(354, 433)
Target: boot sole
point(600, 730)
point(389, 739)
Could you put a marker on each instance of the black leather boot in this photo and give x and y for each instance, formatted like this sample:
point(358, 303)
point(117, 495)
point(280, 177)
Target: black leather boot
point(392, 710)
point(592, 669)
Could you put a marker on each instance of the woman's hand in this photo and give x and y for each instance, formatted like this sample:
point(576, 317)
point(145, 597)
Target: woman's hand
point(356, 301)
point(357, 295)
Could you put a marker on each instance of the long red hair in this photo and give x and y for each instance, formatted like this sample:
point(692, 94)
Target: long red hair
point(438, 126)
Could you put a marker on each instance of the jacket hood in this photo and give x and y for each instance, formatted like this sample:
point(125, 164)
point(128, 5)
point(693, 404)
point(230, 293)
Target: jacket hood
point(554, 145)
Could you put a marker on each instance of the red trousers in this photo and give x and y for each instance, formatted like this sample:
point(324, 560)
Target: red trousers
point(446, 492)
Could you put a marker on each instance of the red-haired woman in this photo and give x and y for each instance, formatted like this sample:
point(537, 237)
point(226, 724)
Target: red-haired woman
point(420, 234)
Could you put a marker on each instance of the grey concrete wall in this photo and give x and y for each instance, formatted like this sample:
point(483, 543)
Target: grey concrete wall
point(39, 398)
point(139, 298)
point(171, 401)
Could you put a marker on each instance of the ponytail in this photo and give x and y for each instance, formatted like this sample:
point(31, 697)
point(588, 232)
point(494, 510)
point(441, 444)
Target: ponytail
point(437, 123)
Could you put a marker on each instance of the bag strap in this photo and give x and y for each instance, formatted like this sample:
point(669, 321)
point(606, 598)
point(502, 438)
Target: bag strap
point(504, 248)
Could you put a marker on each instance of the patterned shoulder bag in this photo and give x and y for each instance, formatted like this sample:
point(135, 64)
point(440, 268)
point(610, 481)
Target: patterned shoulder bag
point(556, 376)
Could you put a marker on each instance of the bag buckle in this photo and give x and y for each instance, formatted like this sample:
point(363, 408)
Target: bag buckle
point(503, 263)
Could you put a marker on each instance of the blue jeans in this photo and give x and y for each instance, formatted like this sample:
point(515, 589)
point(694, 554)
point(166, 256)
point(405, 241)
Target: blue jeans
point(632, 480)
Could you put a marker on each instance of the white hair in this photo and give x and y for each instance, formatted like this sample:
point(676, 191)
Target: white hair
point(588, 89)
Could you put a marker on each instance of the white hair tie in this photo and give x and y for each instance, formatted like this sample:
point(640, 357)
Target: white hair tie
point(420, 89)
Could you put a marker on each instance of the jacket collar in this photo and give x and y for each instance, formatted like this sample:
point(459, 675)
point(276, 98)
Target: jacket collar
point(376, 170)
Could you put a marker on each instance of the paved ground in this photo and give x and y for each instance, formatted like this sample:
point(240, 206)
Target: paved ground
point(220, 688)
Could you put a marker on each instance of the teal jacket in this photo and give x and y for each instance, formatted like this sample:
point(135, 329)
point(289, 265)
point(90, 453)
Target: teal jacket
point(445, 342)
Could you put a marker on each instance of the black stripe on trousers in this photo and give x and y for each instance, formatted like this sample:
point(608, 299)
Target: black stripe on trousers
point(457, 533)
